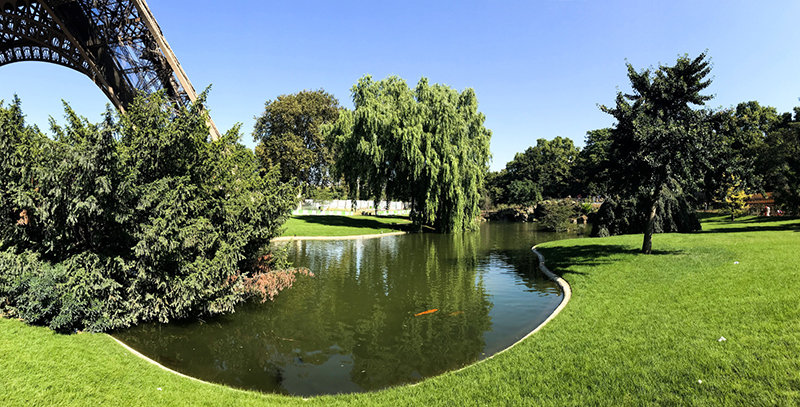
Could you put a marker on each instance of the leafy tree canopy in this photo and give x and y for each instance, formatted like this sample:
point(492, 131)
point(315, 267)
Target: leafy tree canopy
point(549, 164)
point(494, 189)
point(523, 192)
point(592, 166)
point(289, 137)
point(740, 135)
point(547, 169)
point(780, 161)
point(426, 145)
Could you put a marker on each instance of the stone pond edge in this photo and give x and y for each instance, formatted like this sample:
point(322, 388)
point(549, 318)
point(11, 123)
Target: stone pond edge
point(565, 288)
point(138, 354)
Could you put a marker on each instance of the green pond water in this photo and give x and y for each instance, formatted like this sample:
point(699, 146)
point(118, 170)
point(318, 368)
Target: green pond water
point(354, 327)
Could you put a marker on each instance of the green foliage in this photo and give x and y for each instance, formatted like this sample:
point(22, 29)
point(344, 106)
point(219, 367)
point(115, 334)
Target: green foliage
point(523, 192)
point(740, 141)
point(548, 164)
point(780, 161)
point(659, 141)
point(426, 145)
point(289, 137)
point(592, 167)
point(494, 189)
point(557, 214)
point(326, 193)
point(131, 220)
point(758, 148)
point(545, 170)
point(84, 291)
point(630, 216)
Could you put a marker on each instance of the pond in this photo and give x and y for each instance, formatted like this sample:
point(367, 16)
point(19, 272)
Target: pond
point(365, 320)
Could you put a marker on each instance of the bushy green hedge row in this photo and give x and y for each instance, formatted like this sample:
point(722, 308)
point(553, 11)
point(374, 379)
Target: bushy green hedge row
point(137, 218)
point(629, 216)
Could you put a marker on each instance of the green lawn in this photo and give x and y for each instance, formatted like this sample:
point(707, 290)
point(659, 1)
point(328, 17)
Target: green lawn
point(639, 330)
point(344, 225)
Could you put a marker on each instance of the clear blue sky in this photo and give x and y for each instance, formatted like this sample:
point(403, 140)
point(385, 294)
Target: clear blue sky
point(538, 67)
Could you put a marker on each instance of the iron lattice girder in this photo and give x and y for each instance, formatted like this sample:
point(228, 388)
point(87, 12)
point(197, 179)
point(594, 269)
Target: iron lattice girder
point(117, 43)
point(28, 33)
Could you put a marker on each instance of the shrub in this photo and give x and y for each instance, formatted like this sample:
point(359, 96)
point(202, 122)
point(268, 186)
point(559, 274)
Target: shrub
point(138, 218)
point(557, 214)
point(628, 216)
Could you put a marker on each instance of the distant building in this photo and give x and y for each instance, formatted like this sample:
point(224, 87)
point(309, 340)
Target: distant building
point(758, 202)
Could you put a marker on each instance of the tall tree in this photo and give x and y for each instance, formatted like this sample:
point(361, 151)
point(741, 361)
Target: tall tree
point(288, 136)
point(548, 164)
point(426, 145)
point(592, 166)
point(740, 134)
point(494, 188)
point(659, 141)
point(780, 161)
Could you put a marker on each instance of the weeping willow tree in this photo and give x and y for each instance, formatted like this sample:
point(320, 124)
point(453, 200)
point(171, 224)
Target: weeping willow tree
point(426, 145)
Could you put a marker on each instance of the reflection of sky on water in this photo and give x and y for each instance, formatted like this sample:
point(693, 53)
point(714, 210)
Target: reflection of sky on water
point(516, 310)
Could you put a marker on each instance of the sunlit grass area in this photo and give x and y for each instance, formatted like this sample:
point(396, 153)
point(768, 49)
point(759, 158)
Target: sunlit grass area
point(345, 225)
point(639, 330)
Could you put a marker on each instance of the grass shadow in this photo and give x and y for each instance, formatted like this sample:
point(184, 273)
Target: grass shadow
point(755, 224)
point(705, 216)
point(562, 260)
point(346, 221)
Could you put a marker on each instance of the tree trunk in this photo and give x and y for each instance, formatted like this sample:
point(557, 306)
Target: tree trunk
point(647, 245)
point(299, 201)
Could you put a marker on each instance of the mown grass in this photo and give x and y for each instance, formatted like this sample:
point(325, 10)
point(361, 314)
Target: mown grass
point(639, 330)
point(344, 225)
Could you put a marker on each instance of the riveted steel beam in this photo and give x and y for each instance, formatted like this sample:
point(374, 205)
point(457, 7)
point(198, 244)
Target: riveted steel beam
point(116, 43)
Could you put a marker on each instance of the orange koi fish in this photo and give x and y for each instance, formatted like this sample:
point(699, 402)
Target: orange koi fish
point(430, 311)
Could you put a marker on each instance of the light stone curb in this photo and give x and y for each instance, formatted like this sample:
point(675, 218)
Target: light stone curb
point(136, 353)
point(567, 295)
point(222, 386)
point(560, 281)
point(279, 239)
point(564, 288)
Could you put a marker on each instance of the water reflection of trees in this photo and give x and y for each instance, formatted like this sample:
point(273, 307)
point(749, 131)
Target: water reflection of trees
point(512, 243)
point(361, 303)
